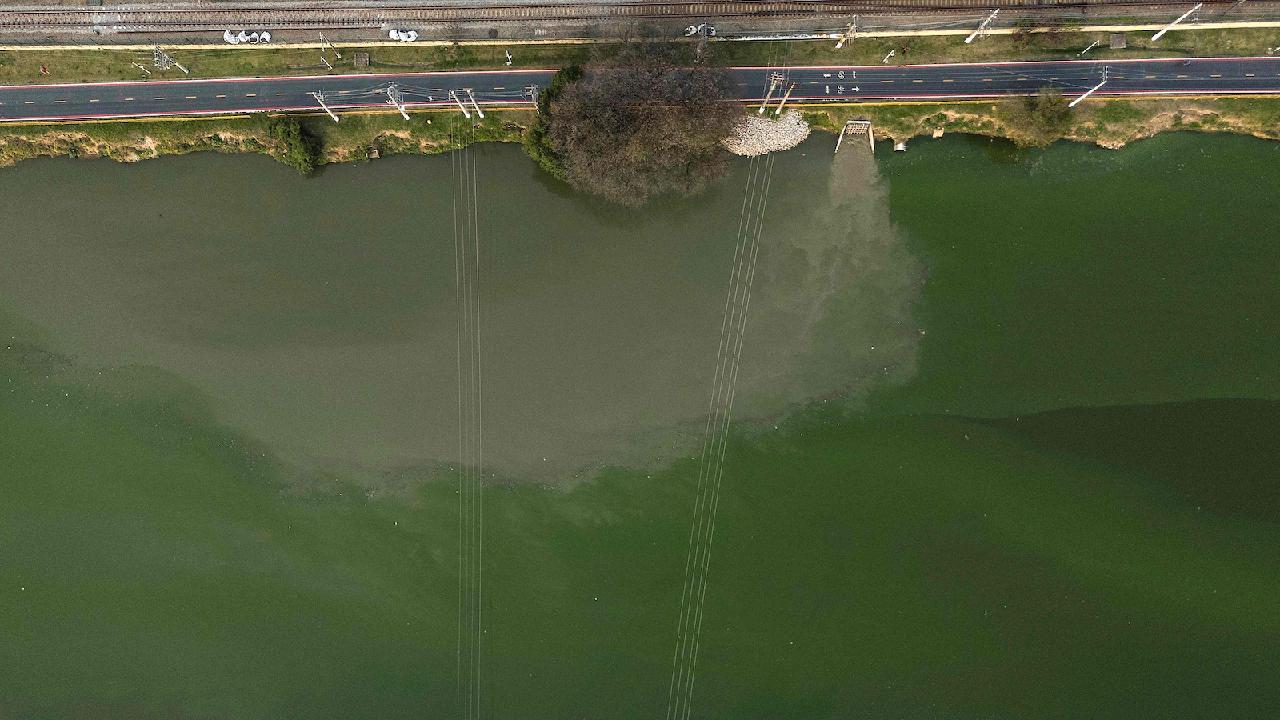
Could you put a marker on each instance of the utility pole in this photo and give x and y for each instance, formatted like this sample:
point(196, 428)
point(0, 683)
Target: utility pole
point(1092, 90)
point(465, 113)
point(848, 34)
point(474, 104)
point(775, 80)
point(319, 96)
point(332, 47)
point(394, 98)
point(1169, 27)
point(982, 29)
point(1092, 45)
point(778, 110)
point(163, 61)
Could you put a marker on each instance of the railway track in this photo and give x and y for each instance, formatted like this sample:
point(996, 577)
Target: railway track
point(216, 18)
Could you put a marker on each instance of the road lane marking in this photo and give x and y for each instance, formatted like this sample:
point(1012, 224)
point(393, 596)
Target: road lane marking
point(886, 81)
point(191, 97)
point(221, 96)
point(159, 98)
point(59, 101)
point(1215, 76)
point(917, 81)
point(93, 99)
point(1248, 74)
point(129, 99)
point(1182, 77)
point(986, 80)
point(28, 102)
point(1148, 77)
point(251, 94)
point(947, 80)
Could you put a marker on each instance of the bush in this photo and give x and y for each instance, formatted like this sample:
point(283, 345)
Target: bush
point(648, 122)
point(1037, 120)
point(294, 145)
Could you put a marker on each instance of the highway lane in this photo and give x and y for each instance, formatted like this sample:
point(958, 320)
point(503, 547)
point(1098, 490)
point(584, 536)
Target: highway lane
point(923, 83)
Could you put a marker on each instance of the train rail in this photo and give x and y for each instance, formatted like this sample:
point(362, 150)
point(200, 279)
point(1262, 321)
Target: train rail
point(135, 19)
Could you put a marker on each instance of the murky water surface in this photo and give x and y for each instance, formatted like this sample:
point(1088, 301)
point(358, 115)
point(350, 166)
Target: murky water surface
point(1005, 440)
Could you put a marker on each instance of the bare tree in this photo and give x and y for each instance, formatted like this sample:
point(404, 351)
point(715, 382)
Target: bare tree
point(646, 122)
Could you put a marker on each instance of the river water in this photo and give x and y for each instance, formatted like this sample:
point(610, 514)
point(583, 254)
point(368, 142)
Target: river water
point(1004, 442)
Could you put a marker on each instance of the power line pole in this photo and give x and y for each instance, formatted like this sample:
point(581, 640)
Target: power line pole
point(1092, 90)
point(1169, 27)
point(319, 96)
point(775, 80)
point(1092, 45)
point(848, 34)
point(785, 98)
point(465, 113)
point(395, 99)
point(332, 47)
point(164, 61)
point(474, 104)
point(982, 29)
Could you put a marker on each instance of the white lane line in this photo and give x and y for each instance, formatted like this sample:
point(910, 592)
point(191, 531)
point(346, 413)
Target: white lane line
point(191, 97)
point(221, 96)
point(251, 94)
point(129, 99)
point(93, 100)
point(1248, 74)
point(28, 102)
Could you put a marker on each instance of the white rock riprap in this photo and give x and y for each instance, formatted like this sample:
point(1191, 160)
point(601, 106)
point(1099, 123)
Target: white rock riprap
point(762, 134)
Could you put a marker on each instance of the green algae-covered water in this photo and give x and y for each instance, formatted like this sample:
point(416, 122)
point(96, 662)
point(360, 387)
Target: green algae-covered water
point(1006, 444)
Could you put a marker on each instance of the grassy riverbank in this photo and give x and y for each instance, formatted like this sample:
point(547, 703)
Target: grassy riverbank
point(357, 137)
point(1111, 124)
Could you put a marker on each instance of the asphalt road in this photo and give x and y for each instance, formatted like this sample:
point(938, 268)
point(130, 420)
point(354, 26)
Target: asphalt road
point(924, 83)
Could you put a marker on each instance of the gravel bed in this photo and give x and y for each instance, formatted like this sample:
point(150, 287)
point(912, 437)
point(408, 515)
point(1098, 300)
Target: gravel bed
point(762, 134)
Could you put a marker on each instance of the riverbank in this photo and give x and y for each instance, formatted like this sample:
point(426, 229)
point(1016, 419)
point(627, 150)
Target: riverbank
point(1111, 123)
point(1107, 123)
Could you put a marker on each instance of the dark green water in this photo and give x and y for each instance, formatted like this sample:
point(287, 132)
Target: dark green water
point(1008, 446)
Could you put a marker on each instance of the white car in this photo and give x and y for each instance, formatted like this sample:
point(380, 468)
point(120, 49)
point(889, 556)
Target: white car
point(403, 35)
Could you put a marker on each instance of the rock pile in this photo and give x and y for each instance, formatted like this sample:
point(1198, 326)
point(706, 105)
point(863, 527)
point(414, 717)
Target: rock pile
point(762, 134)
